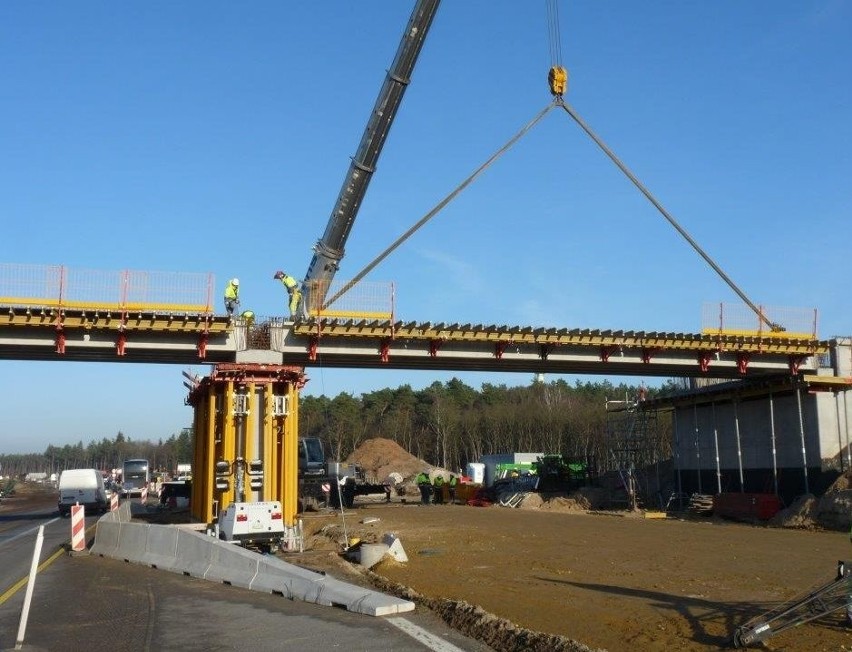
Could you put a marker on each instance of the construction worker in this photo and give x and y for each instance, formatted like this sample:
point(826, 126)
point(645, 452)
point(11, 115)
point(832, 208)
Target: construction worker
point(232, 296)
point(248, 317)
point(425, 487)
point(451, 488)
point(438, 487)
point(293, 291)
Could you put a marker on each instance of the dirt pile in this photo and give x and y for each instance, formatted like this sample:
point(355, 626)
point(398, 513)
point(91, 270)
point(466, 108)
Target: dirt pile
point(381, 457)
point(833, 511)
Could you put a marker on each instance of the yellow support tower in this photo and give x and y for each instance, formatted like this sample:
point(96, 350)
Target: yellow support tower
point(245, 413)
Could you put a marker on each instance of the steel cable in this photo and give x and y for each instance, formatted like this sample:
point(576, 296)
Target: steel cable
point(621, 166)
point(440, 206)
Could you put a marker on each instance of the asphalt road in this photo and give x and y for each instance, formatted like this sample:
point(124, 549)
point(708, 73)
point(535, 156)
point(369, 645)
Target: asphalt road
point(86, 602)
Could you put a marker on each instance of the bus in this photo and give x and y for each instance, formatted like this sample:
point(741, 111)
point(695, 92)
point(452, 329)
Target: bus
point(134, 476)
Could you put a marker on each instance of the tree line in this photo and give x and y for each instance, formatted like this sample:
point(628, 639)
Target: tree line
point(105, 454)
point(450, 424)
point(445, 424)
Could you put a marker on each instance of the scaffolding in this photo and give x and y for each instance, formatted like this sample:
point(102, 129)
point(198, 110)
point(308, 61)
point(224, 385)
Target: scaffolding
point(631, 434)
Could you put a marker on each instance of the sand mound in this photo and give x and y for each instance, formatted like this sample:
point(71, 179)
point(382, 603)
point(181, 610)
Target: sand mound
point(832, 511)
point(801, 514)
point(381, 457)
point(843, 483)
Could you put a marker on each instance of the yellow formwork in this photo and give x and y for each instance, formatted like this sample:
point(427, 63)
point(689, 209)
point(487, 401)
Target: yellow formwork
point(217, 435)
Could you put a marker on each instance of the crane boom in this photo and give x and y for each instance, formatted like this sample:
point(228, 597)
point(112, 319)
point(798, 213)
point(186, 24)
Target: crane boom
point(329, 249)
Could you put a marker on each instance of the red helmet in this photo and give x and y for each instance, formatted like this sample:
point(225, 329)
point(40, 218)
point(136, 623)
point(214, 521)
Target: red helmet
point(279, 274)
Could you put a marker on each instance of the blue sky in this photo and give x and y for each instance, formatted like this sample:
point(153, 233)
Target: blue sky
point(213, 137)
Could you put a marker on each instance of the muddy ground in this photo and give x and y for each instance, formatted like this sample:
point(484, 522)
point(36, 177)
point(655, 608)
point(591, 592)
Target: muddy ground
point(614, 581)
point(550, 581)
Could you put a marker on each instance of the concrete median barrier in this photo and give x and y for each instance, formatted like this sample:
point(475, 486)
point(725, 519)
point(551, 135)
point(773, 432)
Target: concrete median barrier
point(193, 553)
point(107, 536)
point(161, 548)
point(199, 555)
point(231, 564)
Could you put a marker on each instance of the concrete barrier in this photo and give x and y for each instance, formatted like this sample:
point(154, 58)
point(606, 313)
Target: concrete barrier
point(200, 555)
point(133, 541)
point(161, 548)
point(107, 535)
point(297, 583)
point(231, 564)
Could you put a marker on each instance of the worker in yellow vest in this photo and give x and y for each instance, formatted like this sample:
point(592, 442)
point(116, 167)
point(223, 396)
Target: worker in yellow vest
point(422, 482)
point(232, 296)
point(451, 488)
point(292, 286)
point(438, 487)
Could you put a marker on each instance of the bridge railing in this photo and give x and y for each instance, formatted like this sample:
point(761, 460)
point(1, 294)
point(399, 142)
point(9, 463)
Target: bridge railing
point(364, 300)
point(57, 286)
point(739, 319)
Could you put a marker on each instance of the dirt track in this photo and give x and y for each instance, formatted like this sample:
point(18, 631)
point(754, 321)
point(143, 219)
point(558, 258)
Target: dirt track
point(613, 582)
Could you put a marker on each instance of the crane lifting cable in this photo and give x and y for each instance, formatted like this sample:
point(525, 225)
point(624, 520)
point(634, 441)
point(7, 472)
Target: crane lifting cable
point(621, 166)
point(558, 80)
point(557, 77)
point(440, 205)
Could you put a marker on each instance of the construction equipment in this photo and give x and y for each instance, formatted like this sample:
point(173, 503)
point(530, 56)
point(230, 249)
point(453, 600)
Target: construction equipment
point(328, 251)
point(557, 473)
point(816, 603)
point(333, 483)
point(256, 525)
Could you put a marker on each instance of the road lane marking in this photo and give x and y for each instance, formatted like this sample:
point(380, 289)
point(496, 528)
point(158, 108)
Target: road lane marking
point(21, 583)
point(25, 532)
point(420, 635)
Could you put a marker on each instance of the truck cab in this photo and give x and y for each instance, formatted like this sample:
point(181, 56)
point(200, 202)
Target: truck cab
point(311, 457)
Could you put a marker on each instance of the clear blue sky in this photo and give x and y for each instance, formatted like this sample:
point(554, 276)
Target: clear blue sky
point(214, 136)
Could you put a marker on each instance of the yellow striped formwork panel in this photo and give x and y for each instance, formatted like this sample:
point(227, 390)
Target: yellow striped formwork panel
point(343, 300)
point(739, 320)
point(54, 286)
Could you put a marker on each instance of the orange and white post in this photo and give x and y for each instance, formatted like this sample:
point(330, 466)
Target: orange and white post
point(113, 502)
point(78, 528)
point(144, 496)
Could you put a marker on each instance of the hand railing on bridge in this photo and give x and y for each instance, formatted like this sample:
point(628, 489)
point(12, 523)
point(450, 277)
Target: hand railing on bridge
point(57, 286)
point(364, 300)
point(740, 319)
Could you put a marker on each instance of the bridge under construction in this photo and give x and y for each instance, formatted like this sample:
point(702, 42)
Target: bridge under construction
point(56, 313)
point(248, 406)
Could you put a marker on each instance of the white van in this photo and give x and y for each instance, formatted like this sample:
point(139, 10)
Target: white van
point(83, 486)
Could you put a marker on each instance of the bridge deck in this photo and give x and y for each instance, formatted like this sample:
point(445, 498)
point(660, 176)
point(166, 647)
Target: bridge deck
point(105, 334)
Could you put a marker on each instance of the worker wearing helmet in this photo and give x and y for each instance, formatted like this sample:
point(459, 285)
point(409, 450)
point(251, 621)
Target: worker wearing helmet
point(232, 296)
point(438, 490)
point(425, 486)
point(293, 291)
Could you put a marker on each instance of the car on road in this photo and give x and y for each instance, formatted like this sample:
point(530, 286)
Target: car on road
point(82, 487)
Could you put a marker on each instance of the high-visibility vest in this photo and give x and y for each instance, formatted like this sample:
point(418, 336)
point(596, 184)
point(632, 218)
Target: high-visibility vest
point(289, 282)
point(231, 291)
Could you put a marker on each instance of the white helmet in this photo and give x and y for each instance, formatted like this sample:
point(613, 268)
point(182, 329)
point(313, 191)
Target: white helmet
point(235, 281)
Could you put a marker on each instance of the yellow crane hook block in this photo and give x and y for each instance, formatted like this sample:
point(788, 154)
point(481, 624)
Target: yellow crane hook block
point(558, 80)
